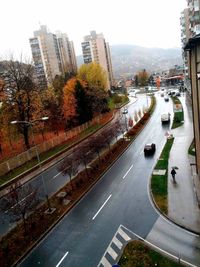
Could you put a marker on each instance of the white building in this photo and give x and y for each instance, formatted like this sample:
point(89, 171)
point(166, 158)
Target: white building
point(52, 55)
point(95, 49)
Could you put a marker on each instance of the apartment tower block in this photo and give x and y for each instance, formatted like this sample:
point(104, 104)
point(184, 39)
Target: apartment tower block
point(96, 49)
point(53, 54)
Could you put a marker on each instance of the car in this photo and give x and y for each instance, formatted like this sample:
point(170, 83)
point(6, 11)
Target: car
point(177, 94)
point(149, 149)
point(165, 118)
point(162, 94)
point(166, 98)
point(125, 111)
point(169, 93)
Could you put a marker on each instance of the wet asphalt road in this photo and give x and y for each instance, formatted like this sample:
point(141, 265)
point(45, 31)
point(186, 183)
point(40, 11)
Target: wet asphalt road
point(120, 198)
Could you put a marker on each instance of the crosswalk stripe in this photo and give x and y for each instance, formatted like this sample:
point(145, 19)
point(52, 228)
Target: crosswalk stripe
point(117, 242)
point(105, 262)
point(112, 253)
point(123, 234)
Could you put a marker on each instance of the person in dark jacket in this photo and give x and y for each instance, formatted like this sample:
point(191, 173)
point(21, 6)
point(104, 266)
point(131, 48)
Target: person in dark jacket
point(173, 173)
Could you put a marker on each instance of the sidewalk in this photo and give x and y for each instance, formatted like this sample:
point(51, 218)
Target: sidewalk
point(183, 196)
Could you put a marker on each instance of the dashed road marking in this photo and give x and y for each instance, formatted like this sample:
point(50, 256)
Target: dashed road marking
point(127, 171)
point(101, 207)
point(62, 259)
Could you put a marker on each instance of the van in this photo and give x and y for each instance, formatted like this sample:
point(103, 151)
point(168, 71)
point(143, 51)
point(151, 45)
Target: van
point(165, 118)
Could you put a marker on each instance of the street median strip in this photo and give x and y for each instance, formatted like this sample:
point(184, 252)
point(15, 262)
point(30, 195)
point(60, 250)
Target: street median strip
point(159, 185)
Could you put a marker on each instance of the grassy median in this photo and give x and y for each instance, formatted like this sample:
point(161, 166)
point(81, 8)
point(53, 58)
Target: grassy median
point(159, 182)
point(178, 115)
point(137, 254)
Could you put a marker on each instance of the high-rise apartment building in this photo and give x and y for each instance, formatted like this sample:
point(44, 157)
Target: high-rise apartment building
point(191, 45)
point(52, 55)
point(194, 17)
point(67, 53)
point(185, 34)
point(96, 49)
point(190, 27)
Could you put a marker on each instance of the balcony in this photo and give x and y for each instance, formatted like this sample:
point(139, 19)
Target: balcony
point(197, 29)
point(196, 5)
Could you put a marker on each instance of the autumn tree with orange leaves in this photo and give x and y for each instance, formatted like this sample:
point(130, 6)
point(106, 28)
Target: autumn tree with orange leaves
point(143, 77)
point(70, 103)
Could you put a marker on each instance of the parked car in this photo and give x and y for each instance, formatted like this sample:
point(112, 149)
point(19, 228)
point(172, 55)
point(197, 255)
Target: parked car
point(149, 149)
point(166, 98)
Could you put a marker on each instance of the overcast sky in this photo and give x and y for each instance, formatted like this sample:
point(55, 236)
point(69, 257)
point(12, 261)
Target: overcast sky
point(149, 23)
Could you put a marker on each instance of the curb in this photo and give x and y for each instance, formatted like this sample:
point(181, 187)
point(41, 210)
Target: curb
point(166, 216)
point(170, 219)
point(34, 245)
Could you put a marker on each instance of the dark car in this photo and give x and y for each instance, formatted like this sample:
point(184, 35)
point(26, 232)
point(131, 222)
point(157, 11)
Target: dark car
point(149, 149)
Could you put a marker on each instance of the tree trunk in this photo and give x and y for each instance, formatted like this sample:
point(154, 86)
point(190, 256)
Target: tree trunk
point(99, 157)
point(24, 223)
point(86, 170)
point(26, 137)
point(70, 178)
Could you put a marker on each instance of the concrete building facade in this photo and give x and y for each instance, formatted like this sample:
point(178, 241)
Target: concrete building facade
point(193, 47)
point(190, 27)
point(52, 55)
point(96, 49)
point(191, 44)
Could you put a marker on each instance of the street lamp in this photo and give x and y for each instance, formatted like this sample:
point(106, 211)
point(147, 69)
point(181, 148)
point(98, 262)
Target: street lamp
point(30, 123)
point(146, 89)
point(125, 111)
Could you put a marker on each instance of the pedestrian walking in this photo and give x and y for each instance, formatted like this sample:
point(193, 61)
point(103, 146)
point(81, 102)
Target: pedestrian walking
point(173, 173)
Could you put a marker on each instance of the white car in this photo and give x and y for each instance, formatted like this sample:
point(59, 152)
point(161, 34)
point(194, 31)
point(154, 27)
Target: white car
point(165, 118)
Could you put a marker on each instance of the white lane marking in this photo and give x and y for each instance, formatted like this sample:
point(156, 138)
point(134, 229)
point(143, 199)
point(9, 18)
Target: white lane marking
point(62, 259)
point(101, 207)
point(112, 253)
point(56, 175)
point(117, 242)
point(141, 152)
point(124, 235)
point(105, 262)
point(19, 202)
point(128, 171)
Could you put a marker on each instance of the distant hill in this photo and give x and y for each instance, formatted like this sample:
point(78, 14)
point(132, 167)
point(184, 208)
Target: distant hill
point(129, 59)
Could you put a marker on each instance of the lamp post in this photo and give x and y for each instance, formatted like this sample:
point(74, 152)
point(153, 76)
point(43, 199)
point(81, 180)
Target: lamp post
point(146, 89)
point(30, 123)
point(125, 111)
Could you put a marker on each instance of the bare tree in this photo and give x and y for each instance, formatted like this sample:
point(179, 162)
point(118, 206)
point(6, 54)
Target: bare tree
point(85, 155)
point(96, 143)
point(20, 200)
point(108, 137)
point(20, 94)
point(70, 166)
point(119, 127)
